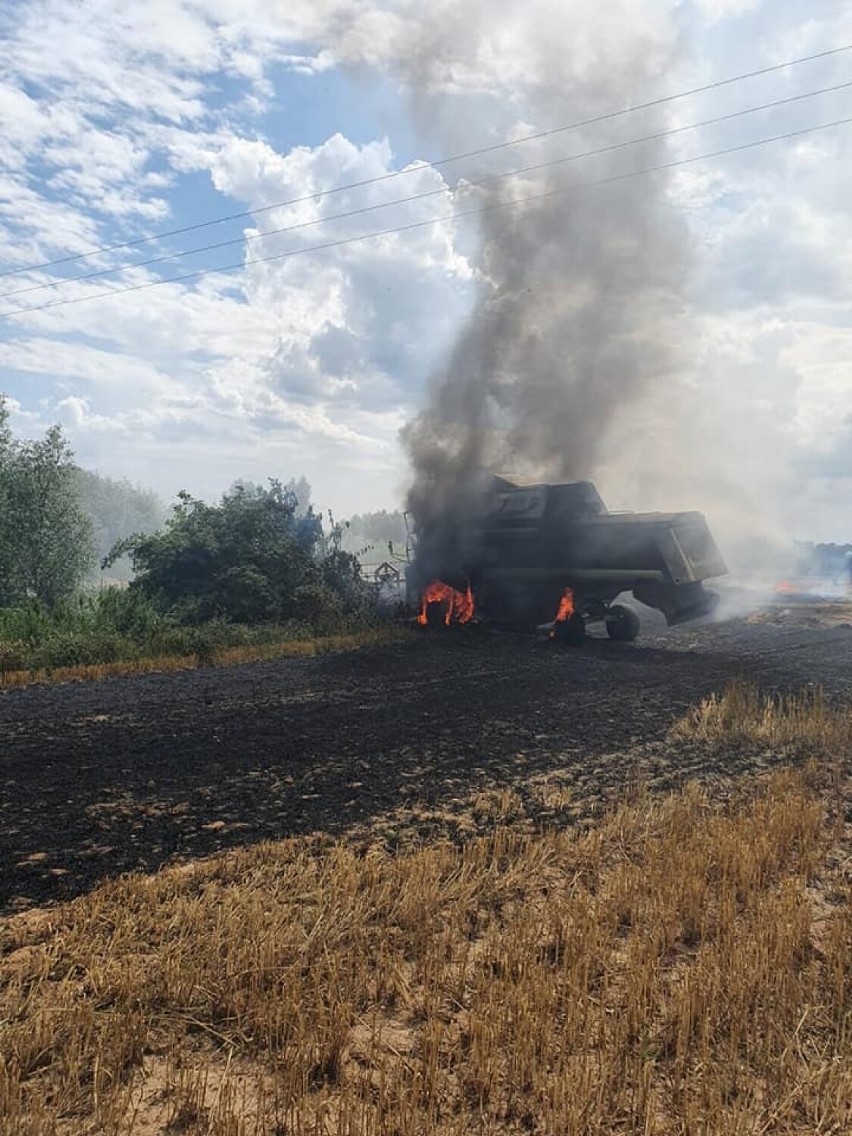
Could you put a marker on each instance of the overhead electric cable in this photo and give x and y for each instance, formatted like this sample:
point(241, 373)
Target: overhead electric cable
point(101, 272)
point(490, 149)
point(434, 220)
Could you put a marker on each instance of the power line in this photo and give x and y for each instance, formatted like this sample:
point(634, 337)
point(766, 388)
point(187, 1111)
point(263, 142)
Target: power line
point(435, 220)
point(101, 272)
point(577, 125)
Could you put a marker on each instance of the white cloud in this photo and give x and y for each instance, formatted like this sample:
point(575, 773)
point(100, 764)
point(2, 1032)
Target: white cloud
point(78, 360)
point(715, 10)
point(241, 357)
point(313, 363)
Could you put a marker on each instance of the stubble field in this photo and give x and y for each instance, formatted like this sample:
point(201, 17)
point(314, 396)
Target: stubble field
point(462, 883)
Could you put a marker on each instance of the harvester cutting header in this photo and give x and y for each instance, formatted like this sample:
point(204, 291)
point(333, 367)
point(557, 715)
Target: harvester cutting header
point(524, 556)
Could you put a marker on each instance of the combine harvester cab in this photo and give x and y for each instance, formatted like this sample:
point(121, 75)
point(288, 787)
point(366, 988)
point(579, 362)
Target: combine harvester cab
point(552, 556)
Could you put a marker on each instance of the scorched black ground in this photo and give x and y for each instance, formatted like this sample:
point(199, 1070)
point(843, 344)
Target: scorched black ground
point(104, 777)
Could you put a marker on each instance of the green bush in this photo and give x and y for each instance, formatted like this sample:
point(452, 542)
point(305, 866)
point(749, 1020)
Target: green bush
point(251, 570)
point(253, 559)
point(118, 625)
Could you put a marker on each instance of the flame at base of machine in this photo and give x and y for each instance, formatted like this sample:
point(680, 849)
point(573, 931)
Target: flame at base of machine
point(564, 612)
point(566, 606)
point(458, 606)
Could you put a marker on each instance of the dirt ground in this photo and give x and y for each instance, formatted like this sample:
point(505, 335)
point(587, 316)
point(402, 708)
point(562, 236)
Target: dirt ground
point(100, 778)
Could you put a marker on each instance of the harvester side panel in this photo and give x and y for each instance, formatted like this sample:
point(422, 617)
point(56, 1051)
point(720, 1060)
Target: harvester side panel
point(531, 542)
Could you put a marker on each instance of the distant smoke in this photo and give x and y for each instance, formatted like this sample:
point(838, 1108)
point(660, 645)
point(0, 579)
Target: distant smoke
point(577, 290)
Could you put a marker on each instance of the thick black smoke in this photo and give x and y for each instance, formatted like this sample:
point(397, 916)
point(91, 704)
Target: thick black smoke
point(577, 290)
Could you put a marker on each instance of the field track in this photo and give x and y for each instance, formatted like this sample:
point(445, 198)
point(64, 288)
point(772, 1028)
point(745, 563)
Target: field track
point(104, 777)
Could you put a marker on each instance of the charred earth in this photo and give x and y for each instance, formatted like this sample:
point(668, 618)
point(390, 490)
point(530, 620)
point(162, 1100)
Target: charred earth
point(126, 774)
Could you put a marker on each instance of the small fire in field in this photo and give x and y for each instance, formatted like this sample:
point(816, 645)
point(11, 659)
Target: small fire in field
point(785, 588)
point(566, 606)
point(457, 606)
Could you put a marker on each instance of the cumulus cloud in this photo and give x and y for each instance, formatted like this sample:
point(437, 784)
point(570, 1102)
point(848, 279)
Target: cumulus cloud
point(113, 115)
point(236, 361)
point(715, 10)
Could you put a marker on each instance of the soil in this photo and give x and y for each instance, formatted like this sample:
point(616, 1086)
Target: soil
point(100, 778)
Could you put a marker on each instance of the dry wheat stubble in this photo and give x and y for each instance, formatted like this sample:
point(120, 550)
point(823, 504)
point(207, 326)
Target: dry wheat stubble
point(682, 966)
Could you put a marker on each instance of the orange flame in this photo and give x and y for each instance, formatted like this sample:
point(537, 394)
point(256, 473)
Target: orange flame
point(785, 588)
point(566, 606)
point(459, 605)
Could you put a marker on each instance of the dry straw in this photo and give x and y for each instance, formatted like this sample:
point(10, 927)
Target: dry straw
point(803, 723)
point(681, 968)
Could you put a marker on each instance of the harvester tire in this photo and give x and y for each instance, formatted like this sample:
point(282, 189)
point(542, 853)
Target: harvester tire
point(622, 624)
point(571, 630)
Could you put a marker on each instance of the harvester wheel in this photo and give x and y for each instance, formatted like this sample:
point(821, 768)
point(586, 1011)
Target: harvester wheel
point(571, 630)
point(622, 624)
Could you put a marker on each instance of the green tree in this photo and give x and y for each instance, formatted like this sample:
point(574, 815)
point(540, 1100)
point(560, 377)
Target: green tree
point(45, 537)
point(5, 451)
point(252, 558)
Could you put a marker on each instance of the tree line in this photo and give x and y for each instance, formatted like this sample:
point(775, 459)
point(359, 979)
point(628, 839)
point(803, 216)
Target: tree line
point(259, 555)
point(46, 539)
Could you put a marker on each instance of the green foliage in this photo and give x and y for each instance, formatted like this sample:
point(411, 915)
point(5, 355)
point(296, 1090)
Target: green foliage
point(254, 569)
point(253, 558)
point(121, 625)
point(45, 537)
point(102, 628)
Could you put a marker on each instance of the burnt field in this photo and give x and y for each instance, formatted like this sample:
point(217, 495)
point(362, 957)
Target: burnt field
point(131, 773)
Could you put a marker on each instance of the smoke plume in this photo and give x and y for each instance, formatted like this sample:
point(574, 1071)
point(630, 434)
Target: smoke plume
point(578, 289)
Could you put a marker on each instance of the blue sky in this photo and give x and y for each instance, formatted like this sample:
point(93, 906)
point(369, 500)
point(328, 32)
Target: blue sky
point(122, 122)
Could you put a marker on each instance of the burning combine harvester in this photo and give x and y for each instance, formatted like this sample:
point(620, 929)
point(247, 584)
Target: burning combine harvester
point(551, 555)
